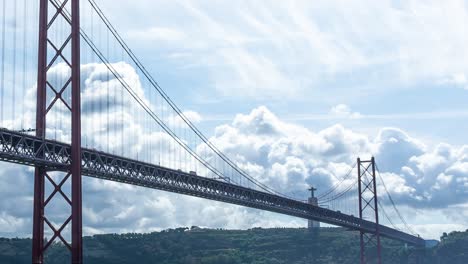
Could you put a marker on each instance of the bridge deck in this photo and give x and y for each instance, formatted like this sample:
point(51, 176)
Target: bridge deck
point(32, 151)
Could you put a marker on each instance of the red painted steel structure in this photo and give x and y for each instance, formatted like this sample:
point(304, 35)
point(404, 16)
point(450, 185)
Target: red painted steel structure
point(367, 187)
point(74, 172)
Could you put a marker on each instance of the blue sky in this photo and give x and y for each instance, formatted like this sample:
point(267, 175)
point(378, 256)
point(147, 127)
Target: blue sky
point(331, 80)
point(397, 63)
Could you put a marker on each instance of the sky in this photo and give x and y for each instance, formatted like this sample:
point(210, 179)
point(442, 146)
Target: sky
point(295, 91)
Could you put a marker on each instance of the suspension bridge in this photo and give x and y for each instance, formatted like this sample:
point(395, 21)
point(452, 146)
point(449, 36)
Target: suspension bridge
point(76, 101)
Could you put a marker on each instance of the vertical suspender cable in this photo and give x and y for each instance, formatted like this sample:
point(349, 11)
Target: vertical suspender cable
point(173, 150)
point(175, 108)
point(151, 133)
point(2, 77)
point(13, 102)
point(100, 114)
point(160, 135)
point(136, 118)
point(93, 87)
point(85, 107)
point(23, 86)
point(145, 126)
point(121, 113)
point(60, 82)
point(179, 153)
point(35, 44)
point(108, 92)
point(221, 156)
point(115, 107)
point(101, 88)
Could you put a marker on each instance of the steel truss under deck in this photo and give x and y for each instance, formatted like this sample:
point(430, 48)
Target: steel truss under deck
point(16, 147)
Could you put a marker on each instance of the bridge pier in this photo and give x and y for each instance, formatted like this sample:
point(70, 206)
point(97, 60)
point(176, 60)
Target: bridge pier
point(312, 224)
point(73, 174)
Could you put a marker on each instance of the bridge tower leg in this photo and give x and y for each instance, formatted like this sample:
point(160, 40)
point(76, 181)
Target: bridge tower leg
point(368, 203)
point(50, 51)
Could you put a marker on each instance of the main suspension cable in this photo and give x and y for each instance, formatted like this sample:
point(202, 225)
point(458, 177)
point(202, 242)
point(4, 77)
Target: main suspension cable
point(173, 105)
point(339, 195)
point(335, 186)
point(393, 203)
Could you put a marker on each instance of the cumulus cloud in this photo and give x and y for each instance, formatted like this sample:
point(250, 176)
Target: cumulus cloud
point(282, 155)
point(266, 54)
point(395, 148)
point(344, 111)
point(290, 157)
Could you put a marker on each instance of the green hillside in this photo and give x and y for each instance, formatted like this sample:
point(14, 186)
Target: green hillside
point(328, 245)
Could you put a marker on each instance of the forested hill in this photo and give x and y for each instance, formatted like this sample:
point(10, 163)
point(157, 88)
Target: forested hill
point(268, 246)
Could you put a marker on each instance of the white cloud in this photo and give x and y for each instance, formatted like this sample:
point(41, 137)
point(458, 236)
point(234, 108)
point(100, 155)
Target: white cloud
point(259, 48)
point(395, 147)
point(165, 34)
point(280, 51)
point(285, 156)
point(344, 111)
point(416, 175)
point(457, 79)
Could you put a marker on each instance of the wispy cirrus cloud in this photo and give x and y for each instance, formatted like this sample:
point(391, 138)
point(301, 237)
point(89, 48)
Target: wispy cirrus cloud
point(443, 115)
point(261, 47)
